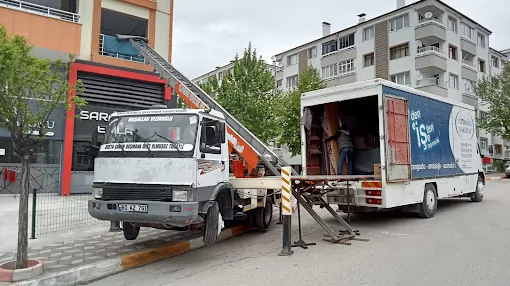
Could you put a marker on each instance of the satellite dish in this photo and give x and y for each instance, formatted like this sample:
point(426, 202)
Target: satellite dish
point(280, 65)
point(419, 43)
point(428, 15)
point(273, 58)
point(419, 76)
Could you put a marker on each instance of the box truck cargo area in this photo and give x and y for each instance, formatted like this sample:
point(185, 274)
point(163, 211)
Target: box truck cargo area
point(359, 117)
point(420, 147)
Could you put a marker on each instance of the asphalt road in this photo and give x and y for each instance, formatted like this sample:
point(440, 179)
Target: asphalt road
point(464, 244)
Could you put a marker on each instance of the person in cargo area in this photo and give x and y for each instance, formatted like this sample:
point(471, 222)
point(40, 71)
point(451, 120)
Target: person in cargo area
point(345, 147)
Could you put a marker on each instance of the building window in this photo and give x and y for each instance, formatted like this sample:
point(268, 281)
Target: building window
point(399, 52)
point(484, 143)
point(220, 75)
point(452, 24)
point(481, 65)
point(48, 153)
point(329, 47)
point(346, 41)
point(312, 53)
point(292, 81)
point(469, 86)
point(329, 71)
point(292, 60)
point(467, 31)
point(495, 62)
point(452, 52)
point(480, 40)
point(498, 149)
point(368, 33)
point(401, 78)
point(368, 60)
point(346, 66)
point(454, 81)
point(64, 5)
point(399, 22)
point(279, 83)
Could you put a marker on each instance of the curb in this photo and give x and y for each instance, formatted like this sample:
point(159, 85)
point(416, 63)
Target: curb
point(494, 178)
point(112, 266)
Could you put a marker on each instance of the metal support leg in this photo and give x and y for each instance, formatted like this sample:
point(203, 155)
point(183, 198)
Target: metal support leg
point(315, 216)
point(301, 243)
point(286, 250)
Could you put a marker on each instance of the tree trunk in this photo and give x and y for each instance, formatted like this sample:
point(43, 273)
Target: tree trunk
point(22, 251)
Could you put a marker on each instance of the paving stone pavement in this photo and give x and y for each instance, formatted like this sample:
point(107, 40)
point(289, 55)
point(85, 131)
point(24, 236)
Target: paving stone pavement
point(69, 254)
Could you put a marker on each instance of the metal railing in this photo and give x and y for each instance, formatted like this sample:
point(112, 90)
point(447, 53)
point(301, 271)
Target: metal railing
point(40, 10)
point(114, 54)
point(469, 63)
point(432, 82)
point(53, 214)
point(422, 20)
point(429, 49)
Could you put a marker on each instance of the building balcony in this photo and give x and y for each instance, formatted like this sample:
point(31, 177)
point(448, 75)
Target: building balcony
point(432, 59)
point(434, 86)
point(430, 29)
point(110, 46)
point(40, 10)
point(468, 63)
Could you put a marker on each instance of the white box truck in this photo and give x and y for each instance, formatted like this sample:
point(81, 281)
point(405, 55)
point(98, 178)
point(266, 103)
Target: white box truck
point(425, 145)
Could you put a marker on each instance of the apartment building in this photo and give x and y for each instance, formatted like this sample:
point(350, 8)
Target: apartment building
point(427, 45)
point(219, 72)
point(115, 77)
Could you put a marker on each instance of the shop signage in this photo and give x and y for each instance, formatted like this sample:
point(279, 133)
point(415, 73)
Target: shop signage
point(92, 117)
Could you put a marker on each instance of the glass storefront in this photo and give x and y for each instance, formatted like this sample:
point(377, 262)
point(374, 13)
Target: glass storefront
point(49, 153)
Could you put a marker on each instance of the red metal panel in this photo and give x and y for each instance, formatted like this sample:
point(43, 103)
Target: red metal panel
point(397, 132)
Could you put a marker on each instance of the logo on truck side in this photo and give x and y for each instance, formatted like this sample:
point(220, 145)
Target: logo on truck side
point(208, 166)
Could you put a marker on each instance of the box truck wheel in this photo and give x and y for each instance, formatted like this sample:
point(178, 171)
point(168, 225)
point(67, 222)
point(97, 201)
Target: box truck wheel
point(428, 207)
point(477, 196)
point(212, 220)
point(263, 216)
point(130, 231)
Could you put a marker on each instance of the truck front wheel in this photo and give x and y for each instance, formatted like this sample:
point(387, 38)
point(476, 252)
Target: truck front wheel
point(428, 207)
point(212, 224)
point(130, 231)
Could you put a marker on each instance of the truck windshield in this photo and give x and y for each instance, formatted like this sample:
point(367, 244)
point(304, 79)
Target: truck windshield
point(151, 133)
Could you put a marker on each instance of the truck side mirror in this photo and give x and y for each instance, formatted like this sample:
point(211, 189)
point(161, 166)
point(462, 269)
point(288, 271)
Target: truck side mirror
point(202, 138)
point(221, 131)
point(94, 139)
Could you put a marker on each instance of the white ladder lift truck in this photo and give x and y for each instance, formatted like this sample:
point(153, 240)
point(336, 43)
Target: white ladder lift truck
point(169, 168)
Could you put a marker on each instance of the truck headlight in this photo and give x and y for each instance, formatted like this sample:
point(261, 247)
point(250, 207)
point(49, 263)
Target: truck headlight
point(180, 196)
point(97, 193)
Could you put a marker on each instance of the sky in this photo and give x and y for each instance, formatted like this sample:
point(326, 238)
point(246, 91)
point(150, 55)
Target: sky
point(209, 33)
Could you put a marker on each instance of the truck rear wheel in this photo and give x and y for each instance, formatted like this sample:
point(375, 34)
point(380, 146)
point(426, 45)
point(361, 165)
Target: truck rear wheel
point(130, 231)
point(263, 216)
point(477, 196)
point(428, 207)
point(212, 224)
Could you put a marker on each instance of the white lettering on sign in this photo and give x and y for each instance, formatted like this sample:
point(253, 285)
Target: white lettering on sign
point(139, 146)
point(150, 118)
point(94, 115)
point(239, 148)
point(184, 91)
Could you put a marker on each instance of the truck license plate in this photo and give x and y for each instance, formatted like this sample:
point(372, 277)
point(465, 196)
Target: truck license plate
point(133, 208)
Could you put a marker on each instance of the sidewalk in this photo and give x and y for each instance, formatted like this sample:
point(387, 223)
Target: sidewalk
point(495, 176)
point(63, 255)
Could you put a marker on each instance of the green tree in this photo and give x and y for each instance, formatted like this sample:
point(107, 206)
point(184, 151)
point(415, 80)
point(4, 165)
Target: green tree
point(494, 91)
point(309, 80)
point(31, 89)
point(248, 93)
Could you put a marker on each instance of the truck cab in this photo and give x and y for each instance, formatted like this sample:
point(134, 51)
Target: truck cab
point(163, 168)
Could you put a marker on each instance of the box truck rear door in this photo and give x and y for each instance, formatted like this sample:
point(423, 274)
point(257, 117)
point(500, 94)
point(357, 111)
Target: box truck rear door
point(398, 152)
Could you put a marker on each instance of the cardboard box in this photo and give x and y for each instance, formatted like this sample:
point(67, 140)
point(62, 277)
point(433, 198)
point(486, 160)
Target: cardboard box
point(377, 171)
